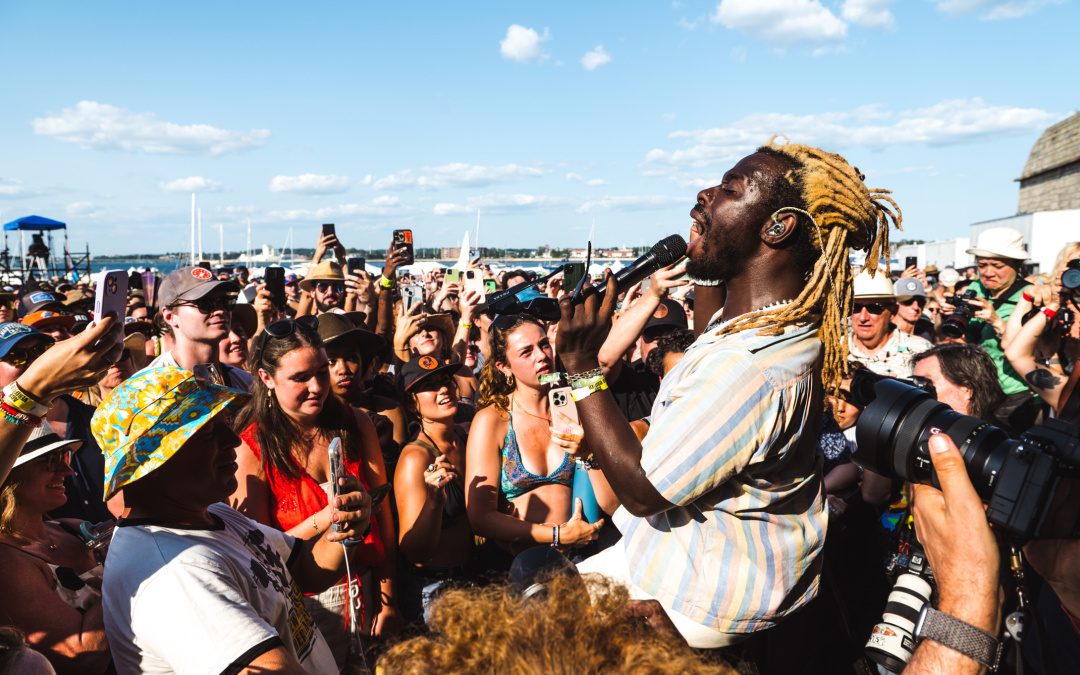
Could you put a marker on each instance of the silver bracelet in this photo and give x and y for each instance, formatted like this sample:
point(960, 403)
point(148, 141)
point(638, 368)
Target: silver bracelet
point(555, 536)
point(574, 378)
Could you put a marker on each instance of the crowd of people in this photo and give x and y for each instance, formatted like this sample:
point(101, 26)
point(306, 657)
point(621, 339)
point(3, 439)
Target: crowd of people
point(356, 475)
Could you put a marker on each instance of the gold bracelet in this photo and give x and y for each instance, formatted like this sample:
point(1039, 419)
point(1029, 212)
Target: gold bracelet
point(315, 523)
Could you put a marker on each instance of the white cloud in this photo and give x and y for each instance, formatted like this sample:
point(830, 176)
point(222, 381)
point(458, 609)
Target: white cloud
point(191, 184)
point(101, 126)
point(868, 13)
point(456, 174)
point(596, 58)
point(375, 208)
point(630, 203)
point(240, 210)
point(83, 210)
point(13, 188)
point(310, 184)
point(781, 22)
point(992, 10)
point(522, 44)
point(591, 182)
point(385, 200)
point(946, 123)
point(496, 203)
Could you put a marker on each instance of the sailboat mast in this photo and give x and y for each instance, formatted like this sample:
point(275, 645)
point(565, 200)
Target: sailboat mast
point(192, 229)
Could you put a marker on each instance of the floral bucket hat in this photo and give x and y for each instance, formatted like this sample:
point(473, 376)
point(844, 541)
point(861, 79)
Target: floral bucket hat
point(144, 421)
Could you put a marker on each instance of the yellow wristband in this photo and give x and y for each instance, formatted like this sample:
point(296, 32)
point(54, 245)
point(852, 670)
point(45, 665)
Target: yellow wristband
point(465, 324)
point(587, 387)
point(385, 283)
point(21, 401)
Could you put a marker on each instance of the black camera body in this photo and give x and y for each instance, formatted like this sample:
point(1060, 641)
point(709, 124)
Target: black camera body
point(955, 325)
point(1031, 485)
point(1070, 278)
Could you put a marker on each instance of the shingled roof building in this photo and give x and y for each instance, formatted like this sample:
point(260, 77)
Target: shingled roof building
point(1051, 178)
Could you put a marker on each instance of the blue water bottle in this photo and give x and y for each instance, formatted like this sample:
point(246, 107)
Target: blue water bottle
point(583, 490)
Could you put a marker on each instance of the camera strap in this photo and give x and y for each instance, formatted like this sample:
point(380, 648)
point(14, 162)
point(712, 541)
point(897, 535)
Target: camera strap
point(1015, 621)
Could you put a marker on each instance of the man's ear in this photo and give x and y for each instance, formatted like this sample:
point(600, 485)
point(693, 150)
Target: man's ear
point(779, 228)
point(168, 316)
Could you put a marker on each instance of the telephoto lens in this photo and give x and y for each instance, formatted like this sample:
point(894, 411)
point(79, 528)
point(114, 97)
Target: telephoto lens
point(892, 641)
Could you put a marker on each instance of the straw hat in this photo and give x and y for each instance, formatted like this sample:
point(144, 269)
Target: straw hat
point(1000, 242)
point(877, 287)
point(325, 270)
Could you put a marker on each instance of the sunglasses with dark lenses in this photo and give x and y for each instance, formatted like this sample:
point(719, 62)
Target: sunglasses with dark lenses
point(914, 300)
point(283, 328)
point(19, 357)
point(874, 308)
point(54, 461)
point(209, 305)
point(329, 286)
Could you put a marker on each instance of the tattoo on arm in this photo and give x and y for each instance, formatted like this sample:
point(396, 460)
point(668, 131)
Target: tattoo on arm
point(1040, 378)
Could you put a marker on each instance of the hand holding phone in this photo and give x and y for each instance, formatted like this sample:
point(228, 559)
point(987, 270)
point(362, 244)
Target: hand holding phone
point(911, 261)
point(404, 239)
point(474, 281)
point(356, 265)
point(337, 471)
point(111, 297)
point(275, 283)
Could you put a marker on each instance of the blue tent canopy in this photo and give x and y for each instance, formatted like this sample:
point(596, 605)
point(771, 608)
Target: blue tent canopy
point(34, 223)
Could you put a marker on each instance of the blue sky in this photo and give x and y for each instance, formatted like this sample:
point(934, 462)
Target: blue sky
point(547, 117)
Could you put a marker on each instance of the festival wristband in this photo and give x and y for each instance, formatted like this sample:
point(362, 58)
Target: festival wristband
point(385, 283)
point(465, 324)
point(574, 378)
point(1027, 297)
point(1049, 313)
point(20, 400)
point(584, 388)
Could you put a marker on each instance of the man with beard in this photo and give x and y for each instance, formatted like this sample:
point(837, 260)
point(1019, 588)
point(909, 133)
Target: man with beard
point(722, 514)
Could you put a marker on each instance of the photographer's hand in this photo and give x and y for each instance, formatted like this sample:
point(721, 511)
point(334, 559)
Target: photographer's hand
point(952, 526)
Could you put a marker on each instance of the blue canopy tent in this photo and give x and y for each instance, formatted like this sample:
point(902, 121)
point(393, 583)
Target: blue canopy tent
point(37, 256)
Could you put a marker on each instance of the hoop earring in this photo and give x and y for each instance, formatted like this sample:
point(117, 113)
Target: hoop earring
point(510, 380)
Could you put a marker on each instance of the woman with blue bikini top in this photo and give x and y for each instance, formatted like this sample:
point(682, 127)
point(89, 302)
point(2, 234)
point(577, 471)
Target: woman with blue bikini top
point(518, 473)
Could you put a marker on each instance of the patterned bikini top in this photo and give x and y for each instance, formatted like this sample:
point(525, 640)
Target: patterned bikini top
point(515, 480)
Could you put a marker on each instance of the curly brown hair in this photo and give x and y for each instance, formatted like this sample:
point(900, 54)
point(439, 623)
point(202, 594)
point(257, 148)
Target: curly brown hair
point(574, 628)
point(495, 388)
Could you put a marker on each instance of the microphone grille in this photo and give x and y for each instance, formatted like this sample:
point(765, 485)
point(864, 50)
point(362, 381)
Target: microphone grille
point(669, 249)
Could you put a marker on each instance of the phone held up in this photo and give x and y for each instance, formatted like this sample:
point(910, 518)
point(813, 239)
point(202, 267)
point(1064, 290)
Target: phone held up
point(562, 402)
point(275, 283)
point(337, 471)
point(355, 265)
point(911, 261)
point(404, 238)
point(474, 281)
point(111, 296)
point(328, 228)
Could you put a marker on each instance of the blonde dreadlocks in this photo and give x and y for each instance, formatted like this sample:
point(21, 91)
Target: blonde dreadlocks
point(844, 214)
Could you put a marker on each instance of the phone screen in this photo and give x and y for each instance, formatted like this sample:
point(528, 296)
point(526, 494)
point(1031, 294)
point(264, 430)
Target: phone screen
point(572, 275)
point(275, 283)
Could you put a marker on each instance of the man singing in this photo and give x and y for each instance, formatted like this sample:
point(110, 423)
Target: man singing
point(722, 513)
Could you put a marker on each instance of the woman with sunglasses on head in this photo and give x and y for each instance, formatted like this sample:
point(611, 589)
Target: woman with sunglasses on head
point(51, 585)
point(283, 472)
point(520, 462)
point(434, 537)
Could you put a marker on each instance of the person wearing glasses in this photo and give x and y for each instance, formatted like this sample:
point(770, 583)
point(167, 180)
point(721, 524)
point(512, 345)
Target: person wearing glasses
point(20, 346)
point(875, 341)
point(51, 585)
point(911, 300)
point(196, 309)
point(325, 283)
point(283, 474)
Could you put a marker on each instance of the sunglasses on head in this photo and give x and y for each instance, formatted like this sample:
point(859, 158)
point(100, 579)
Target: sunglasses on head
point(19, 357)
point(54, 461)
point(283, 328)
point(874, 308)
point(329, 286)
point(209, 305)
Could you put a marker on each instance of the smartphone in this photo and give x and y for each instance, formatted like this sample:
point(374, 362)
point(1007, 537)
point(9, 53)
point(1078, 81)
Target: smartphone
point(474, 281)
point(337, 470)
point(328, 228)
point(412, 295)
point(562, 402)
point(111, 296)
point(404, 238)
point(572, 276)
point(354, 265)
point(453, 276)
point(911, 261)
point(490, 286)
point(275, 283)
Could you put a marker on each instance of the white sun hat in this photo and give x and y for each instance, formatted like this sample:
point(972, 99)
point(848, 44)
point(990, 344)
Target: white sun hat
point(42, 441)
point(1000, 242)
point(874, 287)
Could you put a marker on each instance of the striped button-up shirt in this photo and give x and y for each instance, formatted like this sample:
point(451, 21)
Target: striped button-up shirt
point(733, 445)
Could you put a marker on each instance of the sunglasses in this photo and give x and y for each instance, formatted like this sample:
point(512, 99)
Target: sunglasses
point(913, 301)
point(218, 303)
point(283, 328)
point(20, 357)
point(542, 309)
point(329, 287)
point(874, 308)
point(54, 461)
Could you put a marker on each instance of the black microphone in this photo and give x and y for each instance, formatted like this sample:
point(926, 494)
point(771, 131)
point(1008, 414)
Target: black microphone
point(663, 253)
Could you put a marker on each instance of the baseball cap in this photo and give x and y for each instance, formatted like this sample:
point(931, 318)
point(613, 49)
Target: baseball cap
point(424, 368)
point(44, 318)
point(668, 314)
point(42, 441)
point(35, 300)
point(144, 422)
point(191, 283)
point(909, 287)
point(12, 334)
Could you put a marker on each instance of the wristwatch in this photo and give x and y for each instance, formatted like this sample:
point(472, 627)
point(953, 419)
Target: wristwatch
point(959, 636)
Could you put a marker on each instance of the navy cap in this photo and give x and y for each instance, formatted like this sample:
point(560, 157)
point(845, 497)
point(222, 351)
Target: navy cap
point(12, 334)
point(668, 314)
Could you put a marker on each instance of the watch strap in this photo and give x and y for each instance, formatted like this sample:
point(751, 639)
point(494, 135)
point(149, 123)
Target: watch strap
point(959, 636)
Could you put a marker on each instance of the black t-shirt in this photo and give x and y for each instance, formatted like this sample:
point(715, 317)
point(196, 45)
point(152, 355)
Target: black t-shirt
point(635, 390)
point(87, 483)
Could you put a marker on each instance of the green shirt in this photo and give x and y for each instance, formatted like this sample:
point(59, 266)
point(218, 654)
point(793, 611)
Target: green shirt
point(987, 338)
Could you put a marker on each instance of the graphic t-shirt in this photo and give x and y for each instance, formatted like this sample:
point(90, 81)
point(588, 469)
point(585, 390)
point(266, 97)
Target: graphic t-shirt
point(205, 600)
